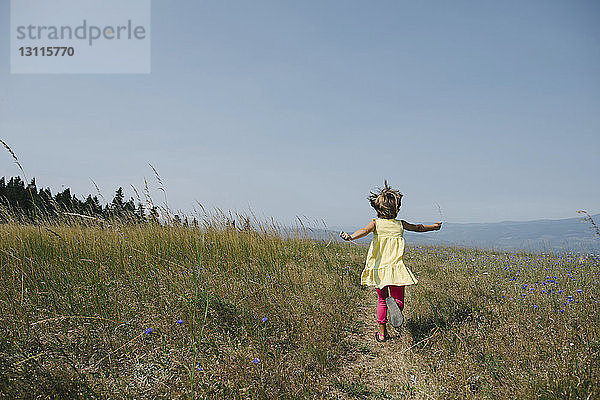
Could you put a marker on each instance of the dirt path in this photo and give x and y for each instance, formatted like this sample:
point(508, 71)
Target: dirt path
point(376, 370)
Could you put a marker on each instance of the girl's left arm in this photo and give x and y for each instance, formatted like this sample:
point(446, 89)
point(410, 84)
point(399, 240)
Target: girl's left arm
point(420, 227)
point(359, 233)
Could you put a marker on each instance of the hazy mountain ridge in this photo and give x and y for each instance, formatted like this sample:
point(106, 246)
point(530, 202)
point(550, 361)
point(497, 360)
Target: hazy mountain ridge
point(557, 235)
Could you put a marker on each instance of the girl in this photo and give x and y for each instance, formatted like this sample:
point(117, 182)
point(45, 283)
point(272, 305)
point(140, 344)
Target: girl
point(384, 268)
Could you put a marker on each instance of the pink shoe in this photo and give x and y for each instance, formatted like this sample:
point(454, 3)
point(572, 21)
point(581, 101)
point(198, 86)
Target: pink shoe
point(381, 338)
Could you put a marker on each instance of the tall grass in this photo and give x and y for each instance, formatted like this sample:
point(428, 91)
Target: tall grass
point(502, 325)
point(94, 309)
point(160, 311)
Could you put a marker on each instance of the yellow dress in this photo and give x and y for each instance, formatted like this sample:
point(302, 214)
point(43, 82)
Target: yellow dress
point(384, 265)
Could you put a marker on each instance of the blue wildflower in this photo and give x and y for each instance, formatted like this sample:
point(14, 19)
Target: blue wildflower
point(256, 360)
point(180, 321)
point(148, 331)
point(265, 319)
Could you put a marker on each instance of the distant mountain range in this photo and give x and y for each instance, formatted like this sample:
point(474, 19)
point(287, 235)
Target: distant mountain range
point(558, 235)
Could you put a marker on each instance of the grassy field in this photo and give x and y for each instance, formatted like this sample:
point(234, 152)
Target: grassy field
point(505, 325)
point(149, 311)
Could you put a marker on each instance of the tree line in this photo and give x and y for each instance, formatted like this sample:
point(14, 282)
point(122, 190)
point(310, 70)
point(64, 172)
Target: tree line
point(30, 203)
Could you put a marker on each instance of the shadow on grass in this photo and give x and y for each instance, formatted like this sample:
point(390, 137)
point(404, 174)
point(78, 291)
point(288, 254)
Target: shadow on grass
point(443, 314)
point(22, 379)
point(359, 390)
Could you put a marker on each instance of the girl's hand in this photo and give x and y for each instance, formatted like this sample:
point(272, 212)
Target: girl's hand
point(344, 235)
point(359, 233)
point(437, 226)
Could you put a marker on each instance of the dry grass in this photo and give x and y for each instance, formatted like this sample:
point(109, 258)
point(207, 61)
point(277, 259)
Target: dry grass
point(486, 325)
point(77, 303)
point(78, 297)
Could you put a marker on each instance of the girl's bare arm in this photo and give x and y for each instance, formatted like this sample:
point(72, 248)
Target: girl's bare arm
point(420, 227)
point(359, 233)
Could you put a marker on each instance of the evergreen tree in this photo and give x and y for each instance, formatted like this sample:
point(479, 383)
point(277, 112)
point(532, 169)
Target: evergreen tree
point(129, 207)
point(117, 205)
point(3, 198)
point(176, 220)
point(64, 200)
point(140, 213)
point(27, 201)
point(92, 206)
point(16, 194)
point(153, 216)
point(45, 203)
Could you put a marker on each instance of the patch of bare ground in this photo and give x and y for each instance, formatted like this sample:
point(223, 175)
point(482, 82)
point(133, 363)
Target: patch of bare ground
point(374, 370)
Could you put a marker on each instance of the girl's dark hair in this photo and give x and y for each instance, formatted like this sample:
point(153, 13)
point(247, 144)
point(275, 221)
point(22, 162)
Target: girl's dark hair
point(386, 201)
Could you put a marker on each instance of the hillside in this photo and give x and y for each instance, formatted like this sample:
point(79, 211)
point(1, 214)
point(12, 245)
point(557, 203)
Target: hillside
point(560, 235)
point(150, 311)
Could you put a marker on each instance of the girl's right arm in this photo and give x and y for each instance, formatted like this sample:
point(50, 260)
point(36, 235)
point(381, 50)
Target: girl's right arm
point(359, 233)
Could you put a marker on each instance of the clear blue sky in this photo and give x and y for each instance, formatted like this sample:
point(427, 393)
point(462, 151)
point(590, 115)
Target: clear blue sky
point(490, 109)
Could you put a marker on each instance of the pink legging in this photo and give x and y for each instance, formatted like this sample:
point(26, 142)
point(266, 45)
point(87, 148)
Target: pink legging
point(397, 292)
